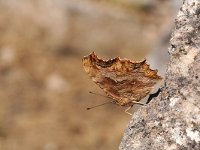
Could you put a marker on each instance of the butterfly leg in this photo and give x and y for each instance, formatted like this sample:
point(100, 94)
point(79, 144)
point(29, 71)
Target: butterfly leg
point(135, 102)
point(126, 111)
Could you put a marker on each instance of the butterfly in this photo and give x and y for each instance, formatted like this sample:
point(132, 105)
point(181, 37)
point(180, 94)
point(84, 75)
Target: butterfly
point(123, 80)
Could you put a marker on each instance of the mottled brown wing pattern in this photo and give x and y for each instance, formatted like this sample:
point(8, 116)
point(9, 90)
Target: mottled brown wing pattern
point(122, 80)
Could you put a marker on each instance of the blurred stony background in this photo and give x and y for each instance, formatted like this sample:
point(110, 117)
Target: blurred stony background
point(43, 87)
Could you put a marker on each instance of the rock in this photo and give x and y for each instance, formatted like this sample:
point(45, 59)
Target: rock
point(172, 120)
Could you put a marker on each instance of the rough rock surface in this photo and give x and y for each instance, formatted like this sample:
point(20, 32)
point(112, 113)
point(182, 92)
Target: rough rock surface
point(172, 120)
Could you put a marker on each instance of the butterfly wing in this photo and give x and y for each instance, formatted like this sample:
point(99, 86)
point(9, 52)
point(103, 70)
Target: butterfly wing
point(121, 79)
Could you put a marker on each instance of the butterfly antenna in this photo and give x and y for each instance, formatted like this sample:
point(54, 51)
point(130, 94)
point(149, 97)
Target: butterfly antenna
point(100, 105)
point(99, 94)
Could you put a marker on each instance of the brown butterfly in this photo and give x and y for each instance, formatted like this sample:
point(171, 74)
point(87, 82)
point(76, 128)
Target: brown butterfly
point(123, 80)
